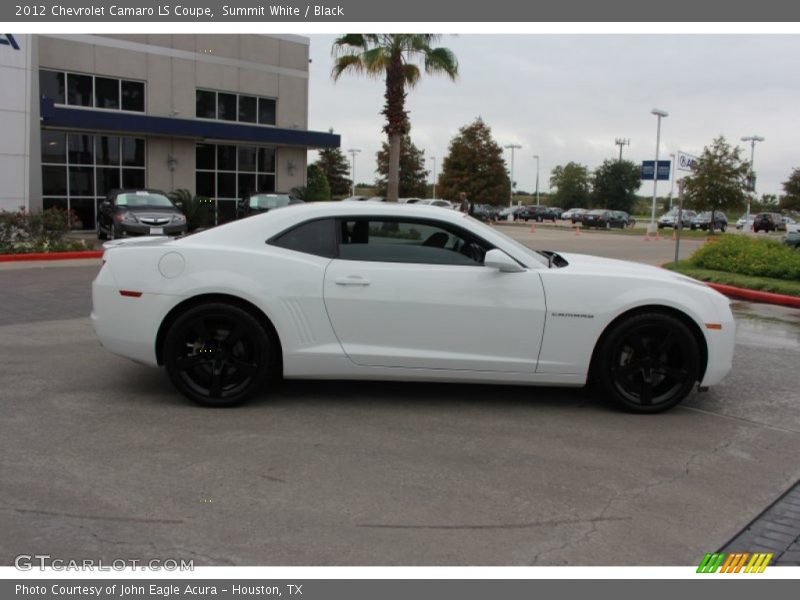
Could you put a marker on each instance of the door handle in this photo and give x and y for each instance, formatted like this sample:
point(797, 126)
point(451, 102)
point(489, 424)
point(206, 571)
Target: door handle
point(351, 280)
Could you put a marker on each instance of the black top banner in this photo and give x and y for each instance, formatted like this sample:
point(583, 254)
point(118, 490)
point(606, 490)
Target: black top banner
point(406, 11)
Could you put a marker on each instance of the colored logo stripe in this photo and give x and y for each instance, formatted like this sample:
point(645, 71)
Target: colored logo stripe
point(735, 562)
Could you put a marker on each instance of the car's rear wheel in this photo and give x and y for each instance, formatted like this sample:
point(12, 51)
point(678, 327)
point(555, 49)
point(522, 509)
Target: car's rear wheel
point(648, 362)
point(219, 354)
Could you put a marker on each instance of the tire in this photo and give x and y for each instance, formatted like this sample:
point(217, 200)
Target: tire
point(101, 235)
point(219, 355)
point(647, 363)
point(723, 227)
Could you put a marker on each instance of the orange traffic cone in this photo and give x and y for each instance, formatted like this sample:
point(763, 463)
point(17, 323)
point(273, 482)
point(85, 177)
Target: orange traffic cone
point(647, 235)
point(673, 235)
point(533, 226)
point(577, 230)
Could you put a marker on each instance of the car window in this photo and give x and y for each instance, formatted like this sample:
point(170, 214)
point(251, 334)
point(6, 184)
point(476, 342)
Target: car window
point(143, 199)
point(408, 241)
point(316, 237)
point(269, 201)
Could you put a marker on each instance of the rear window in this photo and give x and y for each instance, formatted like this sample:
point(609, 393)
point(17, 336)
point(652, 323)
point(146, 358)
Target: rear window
point(313, 237)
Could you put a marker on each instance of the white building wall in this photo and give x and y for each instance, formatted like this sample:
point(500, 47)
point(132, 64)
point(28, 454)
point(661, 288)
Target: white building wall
point(20, 154)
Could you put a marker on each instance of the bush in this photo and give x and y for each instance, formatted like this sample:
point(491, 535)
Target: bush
point(199, 211)
point(746, 256)
point(24, 232)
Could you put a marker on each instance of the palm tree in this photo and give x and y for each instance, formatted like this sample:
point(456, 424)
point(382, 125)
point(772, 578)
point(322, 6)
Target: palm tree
point(394, 57)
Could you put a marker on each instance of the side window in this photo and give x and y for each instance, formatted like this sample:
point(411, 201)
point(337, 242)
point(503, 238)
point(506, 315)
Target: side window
point(313, 237)
point(421, 242)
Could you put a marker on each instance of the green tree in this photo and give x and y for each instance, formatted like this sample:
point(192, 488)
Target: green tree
point(317, 187)
point(572, 184)
point(615, 184)
point(399, 59)
point(413, 176)
point(718, 179)
point(334, 164)
point(474, 164)
point(791, 190)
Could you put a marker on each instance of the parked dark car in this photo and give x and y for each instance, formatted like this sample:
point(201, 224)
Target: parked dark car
point(624, 218)
point(537, 213)
point(703, 221)
point(792, 239)
point(768, 222)
point(602, 219)
point(138, 212)
point(574, 215)
point(263, 202)
point(486, 212)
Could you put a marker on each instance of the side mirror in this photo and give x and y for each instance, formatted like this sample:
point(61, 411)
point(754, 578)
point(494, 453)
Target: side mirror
point(497, 259)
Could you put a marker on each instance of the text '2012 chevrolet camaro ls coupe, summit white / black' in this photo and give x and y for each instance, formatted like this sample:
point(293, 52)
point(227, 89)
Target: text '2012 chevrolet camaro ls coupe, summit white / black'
point(398, 292)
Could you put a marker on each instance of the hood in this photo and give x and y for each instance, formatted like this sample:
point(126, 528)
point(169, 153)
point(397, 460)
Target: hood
point(596, 264)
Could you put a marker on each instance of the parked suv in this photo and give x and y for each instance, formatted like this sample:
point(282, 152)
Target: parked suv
point(703, 221)
point(139, 212)
point(768, 222)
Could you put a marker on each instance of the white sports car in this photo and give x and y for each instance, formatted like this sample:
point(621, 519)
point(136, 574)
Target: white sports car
point(396, 292)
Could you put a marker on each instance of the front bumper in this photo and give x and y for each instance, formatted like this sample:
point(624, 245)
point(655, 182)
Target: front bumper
point(125, 229)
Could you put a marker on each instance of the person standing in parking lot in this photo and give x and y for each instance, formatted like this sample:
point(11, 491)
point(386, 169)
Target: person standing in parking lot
point(463, 203)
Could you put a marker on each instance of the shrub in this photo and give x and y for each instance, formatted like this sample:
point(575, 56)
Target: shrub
point(44, 231)
point(199, 211)
point(747, 256)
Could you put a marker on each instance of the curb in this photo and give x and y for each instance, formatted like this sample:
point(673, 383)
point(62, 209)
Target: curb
point(51, 256)
point(755, 295)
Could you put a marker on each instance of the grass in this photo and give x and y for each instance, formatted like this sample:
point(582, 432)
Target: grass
point(764, 284)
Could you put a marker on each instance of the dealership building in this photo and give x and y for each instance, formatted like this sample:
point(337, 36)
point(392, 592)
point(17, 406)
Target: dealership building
point(222, 116)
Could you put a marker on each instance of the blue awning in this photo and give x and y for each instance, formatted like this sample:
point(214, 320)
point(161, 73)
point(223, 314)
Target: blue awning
point(141, 124)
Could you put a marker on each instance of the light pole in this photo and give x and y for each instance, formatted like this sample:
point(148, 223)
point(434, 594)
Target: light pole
point(512, 147)
point(536, 156)
point(660, 114)
point(353, 152)
point(752, 139)
point(622, 142)
point(433, 158)
point(672, 178)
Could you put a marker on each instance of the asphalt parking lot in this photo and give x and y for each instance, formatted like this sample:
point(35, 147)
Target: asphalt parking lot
point(100, 458)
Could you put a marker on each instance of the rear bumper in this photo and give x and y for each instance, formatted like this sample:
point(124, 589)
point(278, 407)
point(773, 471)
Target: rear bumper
point(126, 325)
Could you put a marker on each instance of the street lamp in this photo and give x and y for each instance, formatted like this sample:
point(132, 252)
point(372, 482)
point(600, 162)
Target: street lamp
point(536, 156)
point(353, 152)
point(622, 142)
point(672, 178)
point(433, 158)
point(660, 114)
point(752, 139)
point(512, 147)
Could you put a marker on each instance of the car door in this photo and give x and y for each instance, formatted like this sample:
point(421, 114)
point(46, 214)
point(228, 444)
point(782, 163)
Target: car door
point(414, 293)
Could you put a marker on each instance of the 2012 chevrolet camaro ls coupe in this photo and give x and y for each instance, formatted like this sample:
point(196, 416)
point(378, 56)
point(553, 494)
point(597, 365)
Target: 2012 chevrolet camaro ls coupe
point(374, 291)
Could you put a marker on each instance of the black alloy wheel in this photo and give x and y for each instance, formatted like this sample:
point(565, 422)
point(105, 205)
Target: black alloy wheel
point(648, 363)
point(219, 355)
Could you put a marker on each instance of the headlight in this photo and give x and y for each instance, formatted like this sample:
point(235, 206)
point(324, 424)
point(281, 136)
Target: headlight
point(178, 219)
point(125, 217)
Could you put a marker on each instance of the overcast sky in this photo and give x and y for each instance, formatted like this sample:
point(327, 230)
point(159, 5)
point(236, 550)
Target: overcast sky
point(567, 97)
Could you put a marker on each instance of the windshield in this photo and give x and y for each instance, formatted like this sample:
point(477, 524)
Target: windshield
point(143, 199)
point(520, 248)
point(268, 201)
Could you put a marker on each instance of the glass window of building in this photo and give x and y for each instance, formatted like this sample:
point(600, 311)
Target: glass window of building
point(248, 109)
point(106, 92)
point(75, 89)
point(79, 89)
point(205, 104)
point(52, 85)
point(227, 173)
point(266, 111)
point(132, 95)
point(228, 106)
point(79, 169)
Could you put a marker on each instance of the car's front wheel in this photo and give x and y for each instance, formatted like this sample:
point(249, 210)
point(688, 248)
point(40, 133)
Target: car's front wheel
point(219, 354)
point(648, 362)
